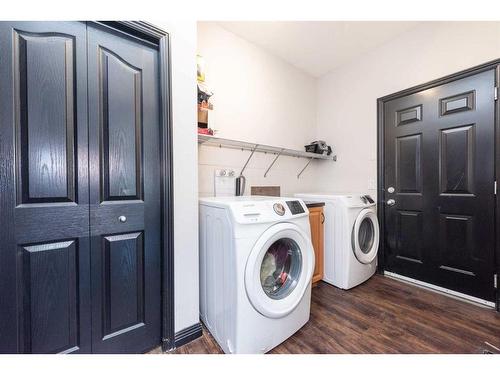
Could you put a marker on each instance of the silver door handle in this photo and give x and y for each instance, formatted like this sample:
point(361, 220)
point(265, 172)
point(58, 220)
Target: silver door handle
point(122, 219)
point(391, 202)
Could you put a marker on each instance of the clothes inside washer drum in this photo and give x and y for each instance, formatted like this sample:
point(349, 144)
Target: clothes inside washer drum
point(280, 266)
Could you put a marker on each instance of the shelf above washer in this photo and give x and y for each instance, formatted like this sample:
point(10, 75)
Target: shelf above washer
point(209, 140)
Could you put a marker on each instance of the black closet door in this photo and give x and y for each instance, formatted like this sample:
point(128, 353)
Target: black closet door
point(124, 121)
point(44, 213)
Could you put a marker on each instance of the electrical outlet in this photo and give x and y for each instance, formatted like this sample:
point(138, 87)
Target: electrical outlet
point(224, 182)
point(224, 173)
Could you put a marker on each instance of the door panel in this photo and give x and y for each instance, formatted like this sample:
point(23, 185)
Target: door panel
point(44, 67)
point(408, 234)
point(457, 103)
point(457, 243)
point(121, 90)
point(49, 273)
point(439, 155)
point(124, 193)
point(457, 160)
point(409, 164)
point(44, 189)
point(317, 225)
point(124, 286)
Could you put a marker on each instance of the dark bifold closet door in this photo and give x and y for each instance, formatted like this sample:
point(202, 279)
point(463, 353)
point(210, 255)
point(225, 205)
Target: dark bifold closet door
point(439, 158)
point(44, 214)
point(124, 167)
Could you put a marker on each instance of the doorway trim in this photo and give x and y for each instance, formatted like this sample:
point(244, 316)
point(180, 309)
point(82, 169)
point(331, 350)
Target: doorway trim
point(155, 36)
point(494, 64)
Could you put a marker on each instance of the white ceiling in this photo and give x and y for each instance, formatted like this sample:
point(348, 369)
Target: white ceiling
point(317, 47)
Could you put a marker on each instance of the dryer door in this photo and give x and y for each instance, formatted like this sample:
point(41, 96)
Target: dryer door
point(279, 270)
point(365, 236)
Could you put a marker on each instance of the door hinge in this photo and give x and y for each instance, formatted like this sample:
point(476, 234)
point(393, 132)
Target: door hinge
point(495, 281)
point(496, 92)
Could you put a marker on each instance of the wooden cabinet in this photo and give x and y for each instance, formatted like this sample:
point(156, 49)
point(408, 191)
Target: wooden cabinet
point(317, 220)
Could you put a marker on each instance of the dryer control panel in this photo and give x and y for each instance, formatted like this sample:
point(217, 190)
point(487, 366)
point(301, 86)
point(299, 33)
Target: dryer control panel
point(295, 207)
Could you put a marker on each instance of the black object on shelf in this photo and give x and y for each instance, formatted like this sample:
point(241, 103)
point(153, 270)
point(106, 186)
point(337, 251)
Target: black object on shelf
point(318, 147)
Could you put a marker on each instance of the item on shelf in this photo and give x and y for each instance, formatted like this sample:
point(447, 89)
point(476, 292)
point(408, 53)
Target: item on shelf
point(200, 68)
point(204, 105)
point(204, 93)
point(202, 117)
point(318, 147)
point(206, 131)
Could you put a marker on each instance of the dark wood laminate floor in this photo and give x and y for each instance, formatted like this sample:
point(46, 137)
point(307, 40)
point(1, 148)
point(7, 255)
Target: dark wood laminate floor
point(383, 316)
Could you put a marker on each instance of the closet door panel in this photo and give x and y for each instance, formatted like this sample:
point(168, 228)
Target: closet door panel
point(49, 272)
point(44, 66)
point(121, 90)
point(123, 289)
point(44, 253)
point(124, 108)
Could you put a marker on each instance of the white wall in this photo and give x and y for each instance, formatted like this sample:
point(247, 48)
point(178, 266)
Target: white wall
point(347, 110)
point(257, 98)
point(183, 70)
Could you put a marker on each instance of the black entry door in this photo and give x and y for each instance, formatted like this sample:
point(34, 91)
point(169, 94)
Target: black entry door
point(44, 215)
point(439, 159)
point(124, 167)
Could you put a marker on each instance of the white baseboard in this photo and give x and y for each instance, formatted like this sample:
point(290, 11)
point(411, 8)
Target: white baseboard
point(441, 290)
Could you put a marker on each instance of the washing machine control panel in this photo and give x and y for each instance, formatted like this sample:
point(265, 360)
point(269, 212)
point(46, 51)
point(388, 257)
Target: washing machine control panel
point(266, 211)
point(357, 200)
point(295, 207)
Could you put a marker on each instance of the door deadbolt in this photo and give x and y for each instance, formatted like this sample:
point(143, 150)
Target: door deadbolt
point(391, 202)
point(390, 189)
point(122, 219)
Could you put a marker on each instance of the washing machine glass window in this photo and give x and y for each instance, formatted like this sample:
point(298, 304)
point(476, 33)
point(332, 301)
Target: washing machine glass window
point(280, 299)
point(365, 236)
point(281, 268)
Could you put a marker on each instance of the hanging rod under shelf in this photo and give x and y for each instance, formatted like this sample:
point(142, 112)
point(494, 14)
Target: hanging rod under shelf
point(210, 140)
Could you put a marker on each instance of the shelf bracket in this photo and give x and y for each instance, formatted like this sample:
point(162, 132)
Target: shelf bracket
point(248, 160)
point(274, 161)
point(303, 169)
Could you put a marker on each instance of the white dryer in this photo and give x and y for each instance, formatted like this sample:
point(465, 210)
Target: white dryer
point(256, 266)
point(351, 237)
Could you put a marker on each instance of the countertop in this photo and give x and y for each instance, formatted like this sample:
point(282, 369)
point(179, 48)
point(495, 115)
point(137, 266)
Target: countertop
point(310, 204)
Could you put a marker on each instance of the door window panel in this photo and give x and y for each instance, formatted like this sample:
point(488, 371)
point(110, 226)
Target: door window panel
point(366, 235)
point(281, 268)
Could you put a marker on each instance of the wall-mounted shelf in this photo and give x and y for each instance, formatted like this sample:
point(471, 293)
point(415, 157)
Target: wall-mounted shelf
point(210, 140)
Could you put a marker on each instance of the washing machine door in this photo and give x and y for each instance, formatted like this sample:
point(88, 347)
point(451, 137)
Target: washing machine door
point(365, 236)
point(279, 269)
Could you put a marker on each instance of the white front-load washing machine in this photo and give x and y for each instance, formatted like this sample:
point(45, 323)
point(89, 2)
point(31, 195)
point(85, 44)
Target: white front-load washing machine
point(256, 266)
point(351, 237)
